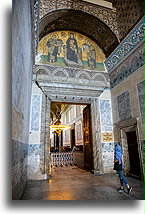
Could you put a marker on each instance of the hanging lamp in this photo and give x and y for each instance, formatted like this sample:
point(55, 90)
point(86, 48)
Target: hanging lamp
point(58, 127)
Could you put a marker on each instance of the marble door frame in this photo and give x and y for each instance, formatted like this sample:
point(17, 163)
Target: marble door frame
point(124, 127)
point(45, 133)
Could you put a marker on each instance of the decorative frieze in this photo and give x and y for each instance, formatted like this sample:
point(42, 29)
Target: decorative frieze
point(71, 73)
point(126, 46)
point(128, 67)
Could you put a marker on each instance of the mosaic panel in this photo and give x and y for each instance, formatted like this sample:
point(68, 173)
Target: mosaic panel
point(35, 112)
point(67, 48)
point(106, 119)
point(124, 107)
point(127, 45)
point(140, 88)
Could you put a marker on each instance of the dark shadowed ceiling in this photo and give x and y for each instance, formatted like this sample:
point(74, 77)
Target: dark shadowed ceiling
point(128, 12)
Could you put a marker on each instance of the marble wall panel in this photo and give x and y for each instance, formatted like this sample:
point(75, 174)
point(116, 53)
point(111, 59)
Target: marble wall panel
point(35, 112)
point(19, 170)
point(34, 149)
point(140, 88)
point(19, 152)
point(124, 107)
point(108, 156)
point(106, 117)
point(22, 64)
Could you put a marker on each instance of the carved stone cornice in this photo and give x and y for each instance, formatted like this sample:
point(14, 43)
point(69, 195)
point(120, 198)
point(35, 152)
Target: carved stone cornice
point(127, 123)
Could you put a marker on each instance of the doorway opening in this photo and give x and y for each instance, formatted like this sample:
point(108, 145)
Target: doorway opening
point(135, 169)
point(74, 145)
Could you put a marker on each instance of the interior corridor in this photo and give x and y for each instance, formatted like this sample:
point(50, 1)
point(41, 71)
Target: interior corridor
point(73, 183)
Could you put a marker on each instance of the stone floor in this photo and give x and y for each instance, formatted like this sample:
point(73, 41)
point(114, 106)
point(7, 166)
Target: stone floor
point(72, 183)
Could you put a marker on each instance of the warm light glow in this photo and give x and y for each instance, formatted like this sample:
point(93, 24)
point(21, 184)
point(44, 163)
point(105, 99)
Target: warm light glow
point(59, 128)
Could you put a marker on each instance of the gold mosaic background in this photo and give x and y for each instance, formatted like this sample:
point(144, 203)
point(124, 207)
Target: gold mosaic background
point(88, 52)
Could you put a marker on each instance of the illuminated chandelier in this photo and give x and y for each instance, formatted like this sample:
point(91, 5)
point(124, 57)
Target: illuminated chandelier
point(58, 127)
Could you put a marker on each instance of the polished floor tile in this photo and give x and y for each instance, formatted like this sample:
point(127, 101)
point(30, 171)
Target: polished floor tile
point(72, 183)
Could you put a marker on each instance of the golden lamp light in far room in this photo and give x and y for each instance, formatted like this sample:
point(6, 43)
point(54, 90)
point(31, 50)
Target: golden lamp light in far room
point(58, 127)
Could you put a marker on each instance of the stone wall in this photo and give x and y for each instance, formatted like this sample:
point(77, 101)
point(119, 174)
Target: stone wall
point(34, 133)
point(22, 64)
point(125, 67)
point(106, 125)
point(39, 135)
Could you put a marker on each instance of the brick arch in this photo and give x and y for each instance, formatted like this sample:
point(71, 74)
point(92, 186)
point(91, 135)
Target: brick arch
point(81, 22)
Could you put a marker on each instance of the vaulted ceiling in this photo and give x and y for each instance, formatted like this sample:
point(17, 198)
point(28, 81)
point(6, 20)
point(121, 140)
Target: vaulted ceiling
point(128, 13)
point(81, 22)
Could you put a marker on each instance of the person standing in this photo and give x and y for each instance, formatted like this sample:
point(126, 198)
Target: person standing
point(72, 49)
point(118, 166)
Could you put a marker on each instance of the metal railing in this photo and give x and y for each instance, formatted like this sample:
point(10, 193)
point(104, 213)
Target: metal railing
point(62, 159)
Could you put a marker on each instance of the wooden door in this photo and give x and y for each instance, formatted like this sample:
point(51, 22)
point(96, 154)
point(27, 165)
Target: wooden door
point(87, 138)
point(133, 154)
point(72, 138)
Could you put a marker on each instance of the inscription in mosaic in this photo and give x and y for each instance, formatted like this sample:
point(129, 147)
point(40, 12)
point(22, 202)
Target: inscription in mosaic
point(124, 107)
